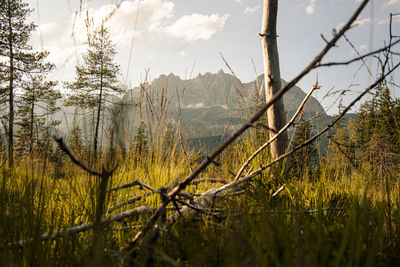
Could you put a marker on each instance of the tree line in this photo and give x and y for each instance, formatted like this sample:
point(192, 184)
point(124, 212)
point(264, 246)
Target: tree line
point(28, 99)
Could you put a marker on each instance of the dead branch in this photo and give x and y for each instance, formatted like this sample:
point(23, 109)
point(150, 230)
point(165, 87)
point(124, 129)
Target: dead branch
point(134, 183)
point(289, 212)
point(64, 148)
point(209, 180)
point(279, 190)
point(129, 201)
point(265, 145)
point(182, 185)
point(362, 57)
point(143, 210)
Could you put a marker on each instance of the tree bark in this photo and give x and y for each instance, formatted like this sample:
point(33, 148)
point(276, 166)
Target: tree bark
point(11, 94)
point(96, 134)
point(272, 78)
point(32, 115)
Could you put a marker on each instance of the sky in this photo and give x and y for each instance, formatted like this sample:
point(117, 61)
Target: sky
point(188, 37)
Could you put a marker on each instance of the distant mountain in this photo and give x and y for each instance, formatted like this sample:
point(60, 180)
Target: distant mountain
point(222, 89)
point(211, 103)
point(207, 106)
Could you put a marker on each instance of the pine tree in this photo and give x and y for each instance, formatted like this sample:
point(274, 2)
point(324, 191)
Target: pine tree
point(96, 79)
point(140, 143)
point(16, 58)
point(379, 131)
point(341, 147)
point(37, 103)
point(302, 159)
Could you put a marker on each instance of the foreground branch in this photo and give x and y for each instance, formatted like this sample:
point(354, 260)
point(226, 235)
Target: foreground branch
point(143, 210)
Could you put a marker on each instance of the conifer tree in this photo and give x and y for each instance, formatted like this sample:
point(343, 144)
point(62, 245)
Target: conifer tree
point(17, 60)
point(341, 148)
point(96, 79)
point(140, 143)
point(37, 103)
point(379, 130)
point(302, 159)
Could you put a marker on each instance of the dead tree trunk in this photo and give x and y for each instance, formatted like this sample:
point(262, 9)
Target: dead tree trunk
point(272, 78)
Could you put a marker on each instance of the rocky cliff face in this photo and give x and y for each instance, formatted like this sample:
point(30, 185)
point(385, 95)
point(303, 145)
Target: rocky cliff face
point(207, 105)
point(225, 90)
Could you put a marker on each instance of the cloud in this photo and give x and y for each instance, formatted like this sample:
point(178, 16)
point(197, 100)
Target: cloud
point(392, 3)
point(120, 20)
point(195, 27)
point(239, 1)
point(249, 9)
point(362, 22)
point(310, 8)
point(358, 22)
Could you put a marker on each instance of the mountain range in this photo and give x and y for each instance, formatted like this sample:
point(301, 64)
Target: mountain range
point(206, 107)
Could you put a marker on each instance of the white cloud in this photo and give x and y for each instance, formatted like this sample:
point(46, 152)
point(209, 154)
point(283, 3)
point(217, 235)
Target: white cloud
point(310, 8)
point(195, 27)
point(182, 53)
point(253, 9)
point(362, 22)
point(239, 1)
point(120, 21)
point(392, 3)
point(358, 22)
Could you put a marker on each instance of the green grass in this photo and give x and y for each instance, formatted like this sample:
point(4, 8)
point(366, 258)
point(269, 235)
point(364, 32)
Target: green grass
point(254, 228)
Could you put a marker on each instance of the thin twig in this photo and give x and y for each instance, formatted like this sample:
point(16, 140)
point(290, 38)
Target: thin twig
point(129, 201)
point(64, 148)
point(134, 183)
point(362, 57)
point(279, 190)
point(209, 180)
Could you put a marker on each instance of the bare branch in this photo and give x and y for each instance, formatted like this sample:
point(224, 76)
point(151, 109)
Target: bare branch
point(83, 227)
point(279, 190)
point(64, 148)
point(134, 183)
point(129, 201)
point(209, 180)
point(328, 64)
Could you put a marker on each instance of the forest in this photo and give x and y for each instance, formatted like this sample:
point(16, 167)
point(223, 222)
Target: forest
point(126, 180)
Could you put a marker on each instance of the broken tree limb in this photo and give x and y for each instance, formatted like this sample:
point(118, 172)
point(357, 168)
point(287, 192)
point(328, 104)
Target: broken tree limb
point(134, 183)
point(209, 180)
point(82, 228)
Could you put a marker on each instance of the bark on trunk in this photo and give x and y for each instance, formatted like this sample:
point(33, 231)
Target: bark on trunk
point(31, 123)
point(11, 94)
point(272, 76)
point(96, 135)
